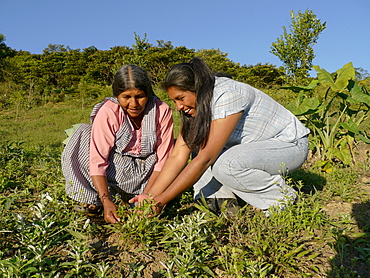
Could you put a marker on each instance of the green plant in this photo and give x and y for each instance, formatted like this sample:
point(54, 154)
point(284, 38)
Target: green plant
point(136, 269)
point(188, 244)
point(138, 226)
point(77, 255)
point(17, 267)
point(335, 118)
point(14, 165)
point(295, 49)
point(102, 269)
point(234, 266)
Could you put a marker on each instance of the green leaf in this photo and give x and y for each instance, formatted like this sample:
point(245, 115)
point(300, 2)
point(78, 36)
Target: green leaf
point(308, 106)
point(351, 126)
point(324, 165)
point(325, 78)
point(343, 155)
point(358, 235)
point(298, 89)
point(303, 253)
point(360, 97)
point(77, 234)
point(8, 202)
point(364, 139)
point(208, 270)
point(290, 254)
point(311, 257)
point(346, 73)
point(30, 269)
point(315, 268)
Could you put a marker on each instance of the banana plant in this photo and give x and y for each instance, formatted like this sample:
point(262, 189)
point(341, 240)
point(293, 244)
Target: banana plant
point(334, 116)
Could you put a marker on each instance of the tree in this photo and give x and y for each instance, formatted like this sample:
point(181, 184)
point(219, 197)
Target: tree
point(218, 61)
point(361, 74)
point(56, 48)
point(261, 75)
point(5, 51)
point(295, 48)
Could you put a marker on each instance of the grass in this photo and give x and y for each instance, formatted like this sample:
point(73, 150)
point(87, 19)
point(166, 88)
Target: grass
point(325, 234)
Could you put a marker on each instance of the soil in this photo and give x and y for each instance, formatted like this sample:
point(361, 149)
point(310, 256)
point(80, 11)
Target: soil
point(357, 214)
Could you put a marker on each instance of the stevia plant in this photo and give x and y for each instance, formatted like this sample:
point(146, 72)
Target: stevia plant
point(190, 247)
point(140, 225)
point(235, 263)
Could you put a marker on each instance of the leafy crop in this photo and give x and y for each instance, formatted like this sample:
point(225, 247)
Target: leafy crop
point(335, 116)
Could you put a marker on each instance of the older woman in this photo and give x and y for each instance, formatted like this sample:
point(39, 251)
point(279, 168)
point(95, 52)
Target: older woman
point(123, 150)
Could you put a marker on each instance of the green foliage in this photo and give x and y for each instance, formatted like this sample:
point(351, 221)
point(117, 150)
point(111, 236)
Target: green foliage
point(188, 244)
point(20, 167)
point(335, 116)
point(43, 126)
point(39, 230)
point(157, 60)
point(14, 165)
point(61, 73)
point(365, 82)
point(261, 76)
point(218, 61)
point(138, 226)
point(5, 51)
point(295, 48)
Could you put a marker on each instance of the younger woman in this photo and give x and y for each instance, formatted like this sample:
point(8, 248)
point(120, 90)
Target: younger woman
point(245, 140)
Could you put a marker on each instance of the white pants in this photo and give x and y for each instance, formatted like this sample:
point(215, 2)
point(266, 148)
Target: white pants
point(253, 172)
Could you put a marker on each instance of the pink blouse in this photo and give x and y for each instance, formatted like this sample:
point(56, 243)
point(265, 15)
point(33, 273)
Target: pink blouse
point(107, 123)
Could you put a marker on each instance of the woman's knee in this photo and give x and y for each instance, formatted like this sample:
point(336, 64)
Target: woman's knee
point(228, 166)
point(234, 160)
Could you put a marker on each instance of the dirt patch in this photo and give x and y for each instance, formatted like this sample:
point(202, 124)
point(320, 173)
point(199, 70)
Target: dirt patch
point(336, 209)
point(128, 257)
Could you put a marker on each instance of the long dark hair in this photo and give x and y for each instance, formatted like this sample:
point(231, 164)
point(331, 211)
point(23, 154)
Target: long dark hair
point(132, 77)
point(195, 77)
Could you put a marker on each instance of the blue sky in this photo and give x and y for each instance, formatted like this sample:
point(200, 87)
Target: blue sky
point(244, 29)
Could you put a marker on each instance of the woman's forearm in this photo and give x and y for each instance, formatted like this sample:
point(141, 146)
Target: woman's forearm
point(170, 171)
point(110, 209)
point(151, 181)
point(187, 178)
point(101, 185)
point(220, 131)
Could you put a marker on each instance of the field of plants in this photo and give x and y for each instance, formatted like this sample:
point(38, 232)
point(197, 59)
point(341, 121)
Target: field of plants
point(326, 233)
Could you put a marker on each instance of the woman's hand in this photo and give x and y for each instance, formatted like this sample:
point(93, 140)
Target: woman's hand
point(143, 198)
point(110, 209)
point(110, 212)
point(157, 208)
point(137, 200)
